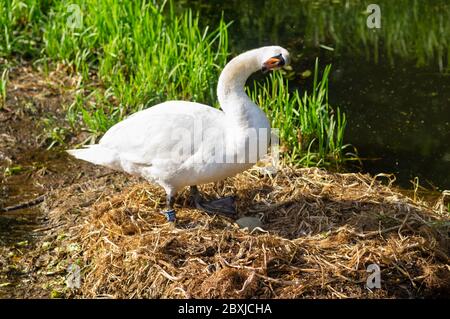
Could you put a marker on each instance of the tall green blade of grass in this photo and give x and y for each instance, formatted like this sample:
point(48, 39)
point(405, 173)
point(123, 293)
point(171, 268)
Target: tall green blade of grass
point(3, 86)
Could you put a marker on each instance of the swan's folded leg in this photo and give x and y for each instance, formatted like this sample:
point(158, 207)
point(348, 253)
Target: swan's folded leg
point(225, 205)
point(170, 212)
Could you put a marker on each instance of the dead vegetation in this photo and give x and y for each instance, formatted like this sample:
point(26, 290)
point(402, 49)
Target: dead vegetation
point(321, 231)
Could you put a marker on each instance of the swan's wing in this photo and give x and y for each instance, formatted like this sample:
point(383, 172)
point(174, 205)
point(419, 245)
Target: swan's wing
point(172, 130)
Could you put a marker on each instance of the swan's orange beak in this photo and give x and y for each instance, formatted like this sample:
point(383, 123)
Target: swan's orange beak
point(273, 63)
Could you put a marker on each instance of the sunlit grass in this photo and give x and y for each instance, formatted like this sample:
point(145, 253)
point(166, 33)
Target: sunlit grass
point(3, 87)
point(143, 56)
point(20, 26)
point(311, 131)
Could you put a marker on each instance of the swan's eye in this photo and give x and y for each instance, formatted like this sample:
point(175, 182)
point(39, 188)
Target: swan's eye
point(273, 63)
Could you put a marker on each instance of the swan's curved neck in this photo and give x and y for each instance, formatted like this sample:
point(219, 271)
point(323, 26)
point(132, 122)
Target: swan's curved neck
point(230, 89)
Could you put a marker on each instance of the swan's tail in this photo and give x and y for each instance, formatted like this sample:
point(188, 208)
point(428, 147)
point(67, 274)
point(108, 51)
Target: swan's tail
point(96, 154)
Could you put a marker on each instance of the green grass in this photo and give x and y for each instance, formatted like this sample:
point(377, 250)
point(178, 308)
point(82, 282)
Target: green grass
point(131, 55)
point(143, 56)
point(52, 134)
point(20, 22)
point(311, 131)
point(3, 86)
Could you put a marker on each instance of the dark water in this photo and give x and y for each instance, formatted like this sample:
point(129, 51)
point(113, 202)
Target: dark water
point(397, 103)
point(398, 116)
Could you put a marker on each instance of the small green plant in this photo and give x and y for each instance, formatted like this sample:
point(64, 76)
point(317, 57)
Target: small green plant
point(3, 87)
point(13, 170)
point(53, 135)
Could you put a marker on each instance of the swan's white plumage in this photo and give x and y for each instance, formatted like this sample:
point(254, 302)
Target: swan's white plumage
point(178, 143)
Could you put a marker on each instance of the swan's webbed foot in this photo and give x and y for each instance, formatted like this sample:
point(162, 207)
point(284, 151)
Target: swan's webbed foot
point(224, 206)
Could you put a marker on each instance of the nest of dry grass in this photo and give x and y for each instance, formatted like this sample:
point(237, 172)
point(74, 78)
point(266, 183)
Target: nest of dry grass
point(320, 232)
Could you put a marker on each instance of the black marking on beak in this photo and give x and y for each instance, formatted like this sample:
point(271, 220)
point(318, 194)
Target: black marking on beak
point(282, 61)
point(274, 62)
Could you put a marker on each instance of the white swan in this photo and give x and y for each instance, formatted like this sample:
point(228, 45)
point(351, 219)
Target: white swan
point(177, 143)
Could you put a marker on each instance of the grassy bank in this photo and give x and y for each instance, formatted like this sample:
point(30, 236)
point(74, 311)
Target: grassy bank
point(132, 55)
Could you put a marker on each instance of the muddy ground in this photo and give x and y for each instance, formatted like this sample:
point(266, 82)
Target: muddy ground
point(87, 208)
point(28, 169)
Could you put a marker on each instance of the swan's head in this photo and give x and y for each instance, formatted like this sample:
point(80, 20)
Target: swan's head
point(273, 58)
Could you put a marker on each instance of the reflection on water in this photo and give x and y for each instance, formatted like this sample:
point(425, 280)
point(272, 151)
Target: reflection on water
point(391, 82)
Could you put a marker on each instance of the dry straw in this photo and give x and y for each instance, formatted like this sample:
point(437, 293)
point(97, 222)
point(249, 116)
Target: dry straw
point(320, 232)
